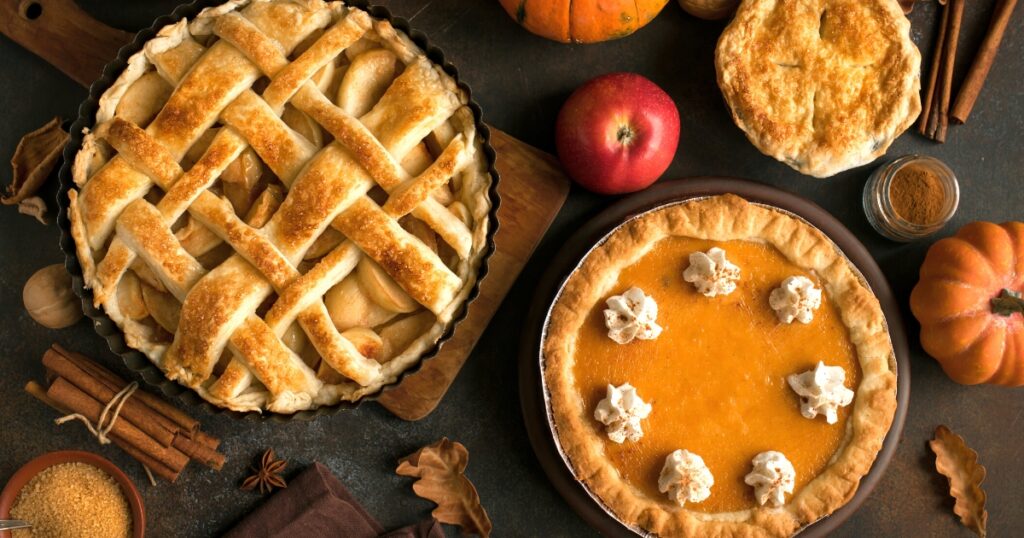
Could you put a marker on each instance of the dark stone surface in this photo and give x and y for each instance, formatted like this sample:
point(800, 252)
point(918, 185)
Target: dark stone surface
point(520, 80)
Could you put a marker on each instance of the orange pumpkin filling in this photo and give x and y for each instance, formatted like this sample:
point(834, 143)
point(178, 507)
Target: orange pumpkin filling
point(716, 376)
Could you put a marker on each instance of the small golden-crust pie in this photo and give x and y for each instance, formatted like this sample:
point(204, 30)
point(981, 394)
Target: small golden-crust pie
point(282, 204)
point(715, 376)
point(821, 85)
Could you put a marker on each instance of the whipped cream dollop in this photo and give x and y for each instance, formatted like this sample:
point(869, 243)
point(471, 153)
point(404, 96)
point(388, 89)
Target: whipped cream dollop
point(711, 273)
point(631, 315)
point(773, 477)
point(796, 298)
point(685, 478)
point(821, 391)
point(621, 412)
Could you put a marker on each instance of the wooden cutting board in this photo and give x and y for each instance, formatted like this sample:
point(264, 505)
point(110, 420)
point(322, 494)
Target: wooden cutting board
point(532, 187)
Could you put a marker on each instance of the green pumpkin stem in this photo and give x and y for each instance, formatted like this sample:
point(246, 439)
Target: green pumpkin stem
point(1007, 303)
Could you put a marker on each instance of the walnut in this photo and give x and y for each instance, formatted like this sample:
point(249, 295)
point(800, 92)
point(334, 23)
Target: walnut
point(49, 300)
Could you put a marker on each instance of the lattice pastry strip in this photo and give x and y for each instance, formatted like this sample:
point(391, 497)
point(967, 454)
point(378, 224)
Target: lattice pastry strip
point(214, 213)
point(351, 355)
point(367, 209)
point(292, 79)
point(142, 226)
point(401, 113)
point(137, 233)
point(348, 358)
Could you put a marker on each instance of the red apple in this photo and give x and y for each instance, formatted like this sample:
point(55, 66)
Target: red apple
point(617, 133)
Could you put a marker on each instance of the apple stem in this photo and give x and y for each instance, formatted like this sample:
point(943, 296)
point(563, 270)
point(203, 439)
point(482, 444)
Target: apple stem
point(625, 135)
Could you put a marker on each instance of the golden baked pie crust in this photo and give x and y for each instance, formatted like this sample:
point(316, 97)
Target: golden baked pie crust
point(322, 292)
point(824, 85)
point(721, 218)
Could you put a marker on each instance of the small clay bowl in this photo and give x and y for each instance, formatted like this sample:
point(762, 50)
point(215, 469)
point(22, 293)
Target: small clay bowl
point(38, 465)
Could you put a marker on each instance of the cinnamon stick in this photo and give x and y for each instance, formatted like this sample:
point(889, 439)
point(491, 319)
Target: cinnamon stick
point(133, 410)
point(70, 397)
point(935, 121)
point(188, 424)
point(210, 441)
point(986, 56)
point(927, 115)
point(158, 468)
point(115, 383)
point(949, 61)
point(199, 452)
point(102, 385)
point(39, 393)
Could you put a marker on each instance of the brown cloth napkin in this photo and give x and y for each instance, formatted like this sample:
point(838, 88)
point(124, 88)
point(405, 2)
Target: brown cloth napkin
point(315, 503)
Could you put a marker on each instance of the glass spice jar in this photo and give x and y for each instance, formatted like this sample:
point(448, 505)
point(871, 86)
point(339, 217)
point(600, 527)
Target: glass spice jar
point(936, 202)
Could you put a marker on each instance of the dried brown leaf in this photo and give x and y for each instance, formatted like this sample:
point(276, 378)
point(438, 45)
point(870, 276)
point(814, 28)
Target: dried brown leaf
point(33, 206)
point(959, 463)
point(33, 160)
point(440, 469)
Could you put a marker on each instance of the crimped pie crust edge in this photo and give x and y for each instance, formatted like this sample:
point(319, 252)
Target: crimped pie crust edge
point(734, 54)
point(722, 218)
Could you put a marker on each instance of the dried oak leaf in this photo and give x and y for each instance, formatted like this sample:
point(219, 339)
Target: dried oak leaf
point(440, 469)
point(33, 206)
point(959, 463)
point(33, 160)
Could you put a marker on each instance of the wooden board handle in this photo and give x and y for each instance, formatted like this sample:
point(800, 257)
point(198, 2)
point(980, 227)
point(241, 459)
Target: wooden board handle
point(63, 35)
point(532, 189)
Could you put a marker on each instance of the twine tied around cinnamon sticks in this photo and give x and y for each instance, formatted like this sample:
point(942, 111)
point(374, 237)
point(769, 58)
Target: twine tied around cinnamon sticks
point(100, 431)
point(158, 435)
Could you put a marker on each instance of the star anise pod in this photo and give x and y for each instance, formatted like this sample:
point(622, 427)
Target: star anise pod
point(268, 475)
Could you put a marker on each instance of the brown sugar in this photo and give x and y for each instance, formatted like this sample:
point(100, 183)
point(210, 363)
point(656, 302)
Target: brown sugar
point(917, 195)
point(72, 500)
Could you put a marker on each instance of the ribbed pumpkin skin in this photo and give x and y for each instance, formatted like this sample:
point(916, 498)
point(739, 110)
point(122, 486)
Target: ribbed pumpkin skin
point(583, 21)
point(953, 302)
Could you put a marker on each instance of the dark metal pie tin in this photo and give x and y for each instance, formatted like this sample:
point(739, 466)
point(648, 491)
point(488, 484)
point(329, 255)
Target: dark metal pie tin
point(534, 396)
point(105, 327)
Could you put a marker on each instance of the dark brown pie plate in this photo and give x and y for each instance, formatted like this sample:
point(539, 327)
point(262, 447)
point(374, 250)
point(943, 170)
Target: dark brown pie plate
point(105, 327)
point(539, 424)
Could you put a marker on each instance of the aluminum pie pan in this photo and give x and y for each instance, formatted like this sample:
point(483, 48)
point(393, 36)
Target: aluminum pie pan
point(138, 362)
point(663, 195)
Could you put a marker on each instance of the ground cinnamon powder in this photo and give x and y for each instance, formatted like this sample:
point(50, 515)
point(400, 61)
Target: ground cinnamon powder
point(917, 194)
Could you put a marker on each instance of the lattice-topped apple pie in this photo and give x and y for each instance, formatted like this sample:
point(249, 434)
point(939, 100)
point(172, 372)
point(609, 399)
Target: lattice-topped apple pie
point(283, 204)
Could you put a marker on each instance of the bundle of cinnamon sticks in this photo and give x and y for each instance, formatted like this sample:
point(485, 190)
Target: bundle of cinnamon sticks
point(936, 115)
point(157, 434)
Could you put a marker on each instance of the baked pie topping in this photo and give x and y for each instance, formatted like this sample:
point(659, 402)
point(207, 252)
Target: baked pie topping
point(691, 372)
point(773, 477)
point(621, 412)
point(685, 478)
point(821, 85)
point(796, 298)
point(282, 204)
point(821, 391)
point(711, 273)
point(631, 315)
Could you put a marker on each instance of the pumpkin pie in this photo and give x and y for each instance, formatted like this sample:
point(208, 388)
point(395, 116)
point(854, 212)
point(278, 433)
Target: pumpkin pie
point(719, 368)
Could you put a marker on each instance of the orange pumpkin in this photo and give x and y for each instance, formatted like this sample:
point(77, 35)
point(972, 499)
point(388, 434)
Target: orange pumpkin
point(583, 21)
point(968, 301)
